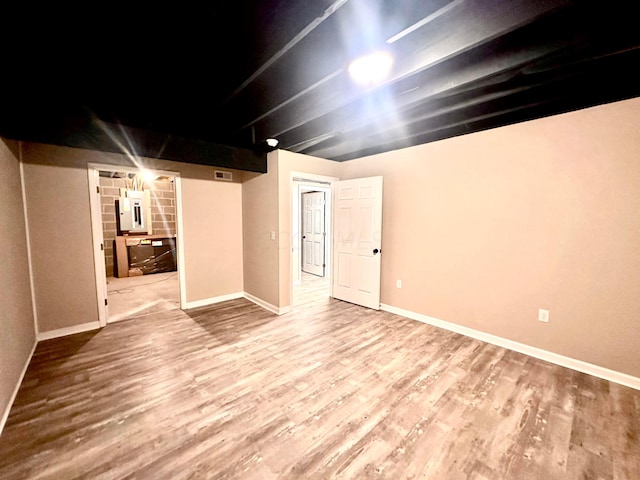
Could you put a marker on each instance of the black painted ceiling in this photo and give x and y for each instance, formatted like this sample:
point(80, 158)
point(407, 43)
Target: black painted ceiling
point(180, 78)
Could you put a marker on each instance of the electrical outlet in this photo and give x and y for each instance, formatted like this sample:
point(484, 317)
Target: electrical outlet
point(543, 315)
point(398, 283)
point(272, 235)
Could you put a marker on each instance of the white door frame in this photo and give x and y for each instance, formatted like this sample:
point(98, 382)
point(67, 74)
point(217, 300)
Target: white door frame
point(300, 182)
point(93, 172)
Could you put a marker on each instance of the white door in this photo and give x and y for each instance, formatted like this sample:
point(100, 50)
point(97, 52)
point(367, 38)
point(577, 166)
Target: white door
point(313, 233)
point(357, 241)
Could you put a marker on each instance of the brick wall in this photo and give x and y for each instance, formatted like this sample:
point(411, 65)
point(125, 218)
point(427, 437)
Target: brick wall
point(163, 211)
point(163, 208)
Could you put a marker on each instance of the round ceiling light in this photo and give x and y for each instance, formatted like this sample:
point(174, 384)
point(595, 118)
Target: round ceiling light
point(272, 142)
point(371, 69)
point(148, 176)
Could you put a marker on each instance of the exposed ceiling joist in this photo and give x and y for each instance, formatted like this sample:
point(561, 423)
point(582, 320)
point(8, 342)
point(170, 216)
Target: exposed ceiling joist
point(209, 83)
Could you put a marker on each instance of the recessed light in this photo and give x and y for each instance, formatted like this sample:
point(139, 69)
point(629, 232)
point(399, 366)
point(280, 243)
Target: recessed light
point(371, 69)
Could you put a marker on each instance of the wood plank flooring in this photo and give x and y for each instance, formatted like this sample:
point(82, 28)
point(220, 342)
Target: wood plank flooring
point(131, 297)
point(312, 289)
point(330, 390)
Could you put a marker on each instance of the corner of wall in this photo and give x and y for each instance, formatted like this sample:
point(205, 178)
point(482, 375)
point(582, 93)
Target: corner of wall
point(14, 394)
point(18, 325)
point(28, 240)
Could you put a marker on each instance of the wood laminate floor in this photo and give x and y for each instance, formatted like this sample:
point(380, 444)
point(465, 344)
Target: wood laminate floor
point(131, 297)
point(312, 289)
point(330, 390)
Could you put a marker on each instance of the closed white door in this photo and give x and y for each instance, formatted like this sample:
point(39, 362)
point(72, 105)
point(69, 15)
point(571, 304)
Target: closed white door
point(313, 233)
point(357, 241)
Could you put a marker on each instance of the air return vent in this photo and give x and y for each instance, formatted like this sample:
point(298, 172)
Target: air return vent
point(220, 175)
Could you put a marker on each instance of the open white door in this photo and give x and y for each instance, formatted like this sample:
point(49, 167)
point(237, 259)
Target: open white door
point(357, 241)
point(313, 233)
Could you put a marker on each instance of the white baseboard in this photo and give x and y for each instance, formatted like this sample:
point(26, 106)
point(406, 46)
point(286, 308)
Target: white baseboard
point(212, 300)
point(63, 332)
point(568, 362)
point(5, 414)
point(267, 305)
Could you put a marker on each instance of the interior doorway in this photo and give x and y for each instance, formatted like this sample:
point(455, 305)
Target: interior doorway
point(136, 231)
point(353, 246)
point(311, 226)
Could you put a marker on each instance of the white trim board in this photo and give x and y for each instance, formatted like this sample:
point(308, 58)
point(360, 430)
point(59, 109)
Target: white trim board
point(267, 305)
point(97, 242)
point(12, 398)
point(182, 278)
point(555, 358)
point(233, 296)
point(213, 300)
point(63, 332)
point(28, 239)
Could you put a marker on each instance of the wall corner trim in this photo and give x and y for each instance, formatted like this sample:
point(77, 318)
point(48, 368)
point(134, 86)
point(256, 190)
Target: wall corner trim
point(63, 332)
point(5, 414)
point(210, 301)
point(551, 357)
point(267, 305)
point(34, 306)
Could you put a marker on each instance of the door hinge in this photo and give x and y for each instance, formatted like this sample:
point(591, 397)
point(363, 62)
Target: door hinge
point(106, 302)
point(102, 246)
point(98, 189)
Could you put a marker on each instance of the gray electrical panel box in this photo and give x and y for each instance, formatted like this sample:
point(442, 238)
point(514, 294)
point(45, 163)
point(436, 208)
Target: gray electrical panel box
point(132, 212)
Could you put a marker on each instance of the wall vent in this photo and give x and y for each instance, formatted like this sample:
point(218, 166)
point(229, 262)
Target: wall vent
point(220, 175)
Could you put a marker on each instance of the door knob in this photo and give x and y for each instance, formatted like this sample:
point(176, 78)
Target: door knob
point(375, 251)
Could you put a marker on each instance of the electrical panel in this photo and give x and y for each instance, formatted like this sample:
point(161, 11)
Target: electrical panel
point(132, 212)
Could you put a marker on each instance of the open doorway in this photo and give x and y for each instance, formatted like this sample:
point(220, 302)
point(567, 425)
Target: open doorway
point(135, 218)
point(311, 239)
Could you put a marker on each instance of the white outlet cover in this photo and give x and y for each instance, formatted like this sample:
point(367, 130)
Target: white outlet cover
point(398, 283)
point(543, 315)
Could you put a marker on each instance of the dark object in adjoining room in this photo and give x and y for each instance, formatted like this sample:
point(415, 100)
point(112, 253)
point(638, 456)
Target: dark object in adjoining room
point(153, 255)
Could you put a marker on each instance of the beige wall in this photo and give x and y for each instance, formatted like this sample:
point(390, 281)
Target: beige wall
point(62, 252)
point(485, 229)
point(259, 219)
point(212, 218)
point(61, 245)
point(17, 332)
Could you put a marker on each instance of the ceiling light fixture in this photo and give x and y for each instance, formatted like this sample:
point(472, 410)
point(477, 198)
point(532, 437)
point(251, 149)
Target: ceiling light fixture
point(267, 145)
point(371, 69)
point(148, 176)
